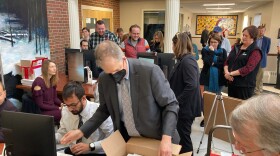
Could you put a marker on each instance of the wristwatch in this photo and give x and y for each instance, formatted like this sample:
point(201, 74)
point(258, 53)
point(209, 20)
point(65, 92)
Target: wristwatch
point(92, 146)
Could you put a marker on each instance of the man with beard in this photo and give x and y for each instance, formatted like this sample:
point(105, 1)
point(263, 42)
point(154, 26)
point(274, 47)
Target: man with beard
point(101, 34)
point(134, 43)
point(76, 111)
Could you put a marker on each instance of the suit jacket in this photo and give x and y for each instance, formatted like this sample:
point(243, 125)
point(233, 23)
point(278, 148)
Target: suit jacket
point(265, 50)
point(184, 81)
point(154, 105)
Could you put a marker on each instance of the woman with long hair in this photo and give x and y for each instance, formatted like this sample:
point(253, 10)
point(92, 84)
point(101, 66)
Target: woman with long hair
point(157, 44)
point(44, 91)
point(184, 81)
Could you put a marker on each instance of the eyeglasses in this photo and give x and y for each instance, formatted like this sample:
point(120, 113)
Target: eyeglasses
point(72, 105)
point(243, 150)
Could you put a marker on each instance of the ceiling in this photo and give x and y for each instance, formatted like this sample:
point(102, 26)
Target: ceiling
point(195, 6)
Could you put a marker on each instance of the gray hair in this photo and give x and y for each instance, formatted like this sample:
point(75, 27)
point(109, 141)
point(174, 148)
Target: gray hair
point(260, 117)
point(107, 49)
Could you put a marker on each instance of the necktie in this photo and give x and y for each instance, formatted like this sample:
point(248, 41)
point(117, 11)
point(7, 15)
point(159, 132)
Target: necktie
point(80, 125)
point(127, 110)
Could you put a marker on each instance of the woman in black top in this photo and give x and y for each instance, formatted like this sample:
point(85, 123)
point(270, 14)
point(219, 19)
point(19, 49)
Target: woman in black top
point(156, 44)
point(184, 81)
point(212, 73)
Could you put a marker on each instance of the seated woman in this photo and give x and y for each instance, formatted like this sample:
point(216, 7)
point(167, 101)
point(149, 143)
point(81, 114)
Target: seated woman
point(156, 44)
point(44, 91)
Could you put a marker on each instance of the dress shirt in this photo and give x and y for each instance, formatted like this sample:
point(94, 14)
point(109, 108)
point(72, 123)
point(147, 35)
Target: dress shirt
point(70, 122)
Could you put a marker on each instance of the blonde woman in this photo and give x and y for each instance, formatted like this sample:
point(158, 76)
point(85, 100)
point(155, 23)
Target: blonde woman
point(44, 91)
point(157, 44)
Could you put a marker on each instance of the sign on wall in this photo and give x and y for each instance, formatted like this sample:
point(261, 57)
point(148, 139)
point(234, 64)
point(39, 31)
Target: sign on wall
point(227, 22)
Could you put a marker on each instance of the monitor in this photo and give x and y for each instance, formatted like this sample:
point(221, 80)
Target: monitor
point(75, 64)
point(166, 62)
point(28, 134)
point(148, 56)
point(90, 61)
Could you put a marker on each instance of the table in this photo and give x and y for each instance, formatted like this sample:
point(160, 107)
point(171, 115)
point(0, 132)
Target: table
point(63, 79)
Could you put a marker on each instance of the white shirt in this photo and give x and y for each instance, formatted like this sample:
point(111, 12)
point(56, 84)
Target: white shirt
point(70, 122)
point(226, 45)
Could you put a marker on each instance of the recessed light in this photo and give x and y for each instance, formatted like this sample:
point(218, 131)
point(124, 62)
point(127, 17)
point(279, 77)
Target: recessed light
point(219, 8)
point(219, 4)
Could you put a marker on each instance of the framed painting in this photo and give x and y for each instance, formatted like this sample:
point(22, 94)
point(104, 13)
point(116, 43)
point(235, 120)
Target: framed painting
point(227, 22)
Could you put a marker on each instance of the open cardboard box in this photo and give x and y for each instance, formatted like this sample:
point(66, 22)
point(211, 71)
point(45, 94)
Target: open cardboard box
point(115, 145)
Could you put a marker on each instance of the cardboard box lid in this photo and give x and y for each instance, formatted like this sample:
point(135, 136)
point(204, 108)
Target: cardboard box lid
point(115, 145)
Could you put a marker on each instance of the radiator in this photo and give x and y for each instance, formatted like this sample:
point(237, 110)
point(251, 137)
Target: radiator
point(269, 77)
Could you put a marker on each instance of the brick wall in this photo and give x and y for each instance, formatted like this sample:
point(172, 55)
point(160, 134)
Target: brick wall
point(111, 4)
point(59, 37)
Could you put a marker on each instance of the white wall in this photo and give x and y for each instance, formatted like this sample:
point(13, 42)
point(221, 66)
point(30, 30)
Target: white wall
point(270, 17)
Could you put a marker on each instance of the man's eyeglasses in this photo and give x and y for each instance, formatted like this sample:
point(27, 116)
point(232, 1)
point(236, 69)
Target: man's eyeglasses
point(245, 152)
point(73, 105)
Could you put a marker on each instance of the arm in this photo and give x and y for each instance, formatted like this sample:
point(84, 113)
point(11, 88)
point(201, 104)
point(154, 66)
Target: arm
point(221, 59)
point(55, 98)
point(165, 99)
point(268, 46)
point(37, 94)
point(190, 78)
point(253, 61)
point(62, 128)
point(107, 129)
point(207, 57)
point(113, 38)
point(99, 116)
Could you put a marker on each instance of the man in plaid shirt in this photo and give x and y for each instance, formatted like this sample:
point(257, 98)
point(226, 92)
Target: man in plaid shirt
point(100, 35)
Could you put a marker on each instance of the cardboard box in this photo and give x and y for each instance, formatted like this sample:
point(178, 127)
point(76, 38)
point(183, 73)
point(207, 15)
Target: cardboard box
point(229, 103)
point(115, 145)
point(31, 68)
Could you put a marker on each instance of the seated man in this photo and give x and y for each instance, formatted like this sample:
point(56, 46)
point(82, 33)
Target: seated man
point(256, 126)
point(84, 45)
point(77, 111)
point(5, 104)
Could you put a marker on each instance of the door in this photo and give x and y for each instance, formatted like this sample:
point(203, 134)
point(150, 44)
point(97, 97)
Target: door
point(91, 15)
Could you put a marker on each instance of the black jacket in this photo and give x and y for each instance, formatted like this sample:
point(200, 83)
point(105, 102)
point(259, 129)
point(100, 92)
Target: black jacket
point(207, 57)
point(184, 81)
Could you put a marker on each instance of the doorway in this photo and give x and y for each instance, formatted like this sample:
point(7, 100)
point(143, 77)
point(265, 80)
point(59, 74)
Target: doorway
point(92, 14)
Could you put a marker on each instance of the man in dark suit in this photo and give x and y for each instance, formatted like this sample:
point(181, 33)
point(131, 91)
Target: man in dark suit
point(204, 36)
point(263, 43)
point(151, 103)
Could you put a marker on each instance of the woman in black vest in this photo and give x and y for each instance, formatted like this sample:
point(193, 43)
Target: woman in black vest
point(242, 64)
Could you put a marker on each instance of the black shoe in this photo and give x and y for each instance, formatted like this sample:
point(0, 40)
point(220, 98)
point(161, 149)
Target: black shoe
point(202, 123)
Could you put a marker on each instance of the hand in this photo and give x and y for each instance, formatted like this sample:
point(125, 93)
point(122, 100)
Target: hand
point(71, 136)
point(211, 48)
point(228, 76)
point(165, 148)
point(80, 148)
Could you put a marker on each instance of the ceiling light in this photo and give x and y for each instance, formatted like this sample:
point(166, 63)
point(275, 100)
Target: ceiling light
point(225, 4)
point(219, 8)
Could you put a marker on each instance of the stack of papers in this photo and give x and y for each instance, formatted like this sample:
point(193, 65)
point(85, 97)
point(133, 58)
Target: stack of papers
point(26, 82)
